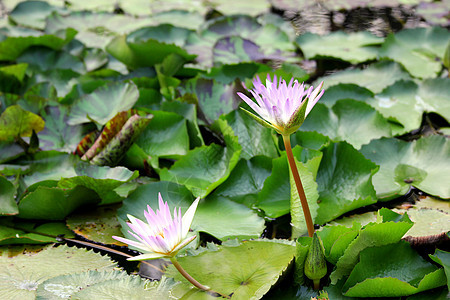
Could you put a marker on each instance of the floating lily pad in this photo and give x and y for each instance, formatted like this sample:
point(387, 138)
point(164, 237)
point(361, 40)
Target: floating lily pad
point(354, 47)
point(348, 120)
point(104, 103)
point(252, 268)
point(217, 160)
point(376, 77)
point(22, 274)
point(342, 193)
point(421, 163)
point(399, 271)
point(417, 49)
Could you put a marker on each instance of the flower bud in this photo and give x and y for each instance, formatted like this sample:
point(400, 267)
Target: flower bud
point(315, 264)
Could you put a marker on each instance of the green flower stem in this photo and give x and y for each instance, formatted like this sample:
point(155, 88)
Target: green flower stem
point(197, 284)
point(298, 183)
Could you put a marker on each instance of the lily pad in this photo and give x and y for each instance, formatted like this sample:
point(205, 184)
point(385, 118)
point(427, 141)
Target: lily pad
point(354, 47)
point(246, 180)
point(16, 122)
point(376, 77)
point(104, 103)
point(252, 268)
point(22, 274)
point(399, 271)
point(217, 160)
point(341, 193)
point(348, 120)
point(417, 49)
point(254, 139)
point(420, 163)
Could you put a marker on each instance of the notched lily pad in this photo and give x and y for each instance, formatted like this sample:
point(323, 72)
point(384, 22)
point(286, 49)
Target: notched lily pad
point(16, 122)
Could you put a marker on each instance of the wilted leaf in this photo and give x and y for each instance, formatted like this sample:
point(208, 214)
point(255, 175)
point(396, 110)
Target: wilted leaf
point(16, 122)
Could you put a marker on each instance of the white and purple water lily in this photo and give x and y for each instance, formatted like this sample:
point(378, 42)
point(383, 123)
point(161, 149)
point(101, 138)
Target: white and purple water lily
point(161, 236)
point(280, 105)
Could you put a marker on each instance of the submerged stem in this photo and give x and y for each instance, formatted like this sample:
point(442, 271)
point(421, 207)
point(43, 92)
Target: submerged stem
point(197, 284)
point(298, 183)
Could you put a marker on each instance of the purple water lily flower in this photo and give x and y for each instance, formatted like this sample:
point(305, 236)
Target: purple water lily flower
point(280, 105)
point(161, 236)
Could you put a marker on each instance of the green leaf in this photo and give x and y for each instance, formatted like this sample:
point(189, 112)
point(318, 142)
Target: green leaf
point(251, 268)
point(43, 59)
point(166, 136)
point(102, 180)
point(8, 205)
point(16, 231)
point(214, 98)
point(98, 225)
point(104, 103)
point(348, 120)
point(16, 122)
point(254, 139)
point(374, 234)
point(443, 258)
point(246, 180)
point(134, 54)
point(417, 50)
point(12, 47)
point(217, 160)
point(345, 181)
point(236, 49)
point(336, 239)
point(164, 33)
point(345, 91)
point(51, 203)
point(354, 47)
point(427, 221)
point(398, 271)
point(376, 77)
point(421, 163)
point(301, 251)
point(17, 71)
point(434, 96)
point(228, 73)
point(236, 7)
point(275, 196)
point(308, 139)
point(22, 274)
point(216, 216)
point(57, 135)
point(32, 13)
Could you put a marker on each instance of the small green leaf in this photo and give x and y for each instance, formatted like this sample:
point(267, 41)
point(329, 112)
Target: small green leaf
point(443, 258)
point(8, 205)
